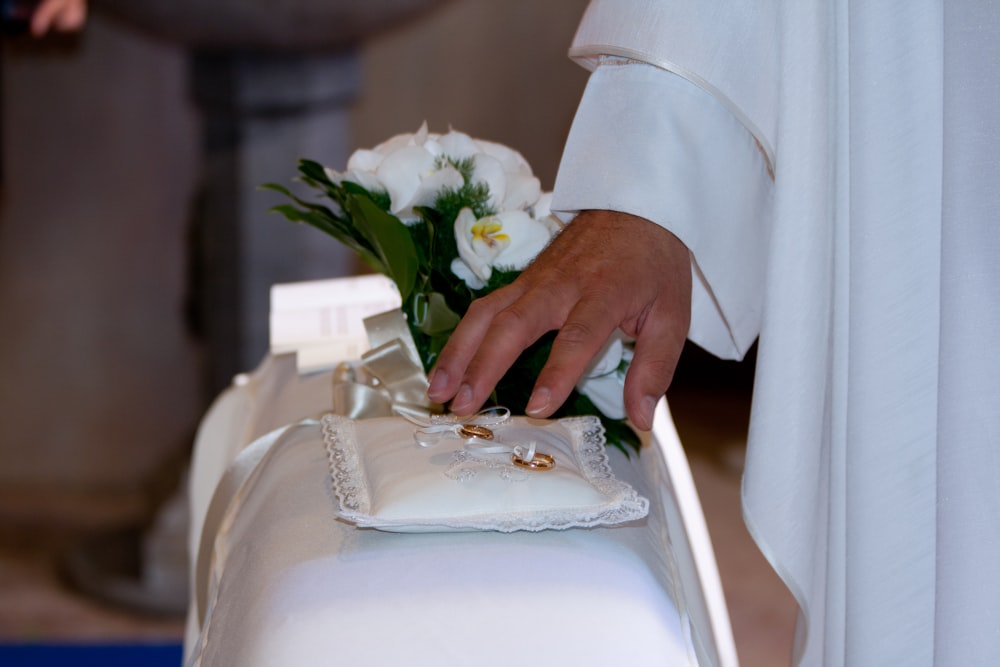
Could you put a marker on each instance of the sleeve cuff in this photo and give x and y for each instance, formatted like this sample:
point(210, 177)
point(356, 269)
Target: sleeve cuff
point(649, 143)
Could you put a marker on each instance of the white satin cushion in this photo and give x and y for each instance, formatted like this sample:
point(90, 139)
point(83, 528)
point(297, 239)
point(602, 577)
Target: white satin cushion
point(383, 479)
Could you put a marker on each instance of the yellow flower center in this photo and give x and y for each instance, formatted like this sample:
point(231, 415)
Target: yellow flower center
point(488, 231)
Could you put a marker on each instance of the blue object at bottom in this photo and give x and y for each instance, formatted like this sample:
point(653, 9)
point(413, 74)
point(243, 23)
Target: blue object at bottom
point(91, 655)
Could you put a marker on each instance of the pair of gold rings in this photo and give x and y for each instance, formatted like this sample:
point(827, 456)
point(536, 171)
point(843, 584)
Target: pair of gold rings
point(539, 462)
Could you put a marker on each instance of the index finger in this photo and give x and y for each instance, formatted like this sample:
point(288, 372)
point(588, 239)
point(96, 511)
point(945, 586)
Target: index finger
point(463, 343)
point(475, 361)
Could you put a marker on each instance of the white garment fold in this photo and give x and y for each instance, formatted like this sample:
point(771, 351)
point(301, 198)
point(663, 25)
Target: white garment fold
point(709, 153)
point(737, 64)
point(871, 478)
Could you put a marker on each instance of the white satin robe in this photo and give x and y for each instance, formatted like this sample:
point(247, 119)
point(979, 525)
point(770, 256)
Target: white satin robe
point(869, 265)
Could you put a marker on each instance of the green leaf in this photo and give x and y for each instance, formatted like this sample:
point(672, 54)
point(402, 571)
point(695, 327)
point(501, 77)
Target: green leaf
point(379, 197)
point(390, 241)
point(324, 211)
point(279, 188)
point(314, 171)
point(324, 225)
point(432, 316)
point(326, 221)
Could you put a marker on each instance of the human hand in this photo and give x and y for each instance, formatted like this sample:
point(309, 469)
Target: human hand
point(606, 270)
point(64, 15)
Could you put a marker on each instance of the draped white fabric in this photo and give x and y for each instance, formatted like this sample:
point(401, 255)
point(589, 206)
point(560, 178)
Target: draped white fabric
point(871, 266)
point(279, 580)
point(737, 64)
point(967, 622)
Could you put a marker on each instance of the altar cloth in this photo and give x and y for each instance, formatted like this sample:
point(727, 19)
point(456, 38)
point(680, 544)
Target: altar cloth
point(293, 585)
point(278, 579)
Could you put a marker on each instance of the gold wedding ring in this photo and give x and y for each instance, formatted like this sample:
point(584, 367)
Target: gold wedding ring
point(475, 431)
point(539, 462)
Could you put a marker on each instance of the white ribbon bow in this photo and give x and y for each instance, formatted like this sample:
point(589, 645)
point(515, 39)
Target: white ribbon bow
point(435, 428)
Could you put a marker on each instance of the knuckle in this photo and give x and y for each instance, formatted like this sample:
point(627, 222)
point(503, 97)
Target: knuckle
point(576, 333)
point(482, 307)
point(516, 323)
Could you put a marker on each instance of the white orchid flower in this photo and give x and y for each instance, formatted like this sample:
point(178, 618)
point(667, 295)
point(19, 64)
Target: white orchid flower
point(489, 170)
point(604, 382)
point(542, 208)
point(365, 160)
point(458, 146)
point(413, 169)
point(401, 173)
point(365, 179)
point(511, 160)
point(508, 240)
point(523, 190)
point(508, 176)
point(406, 167)
point(479, 243)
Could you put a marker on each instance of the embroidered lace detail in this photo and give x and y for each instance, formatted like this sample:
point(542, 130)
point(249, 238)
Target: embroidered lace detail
point(346, 469)
point(587, 446)
point(589, 443)
point(465, 467)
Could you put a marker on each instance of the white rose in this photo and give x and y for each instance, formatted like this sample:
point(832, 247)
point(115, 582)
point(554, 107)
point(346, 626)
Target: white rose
point(603, 383)
point(508, 240)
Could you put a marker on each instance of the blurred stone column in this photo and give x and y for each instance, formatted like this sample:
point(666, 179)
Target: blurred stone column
point(261, 112)
point(274, 80)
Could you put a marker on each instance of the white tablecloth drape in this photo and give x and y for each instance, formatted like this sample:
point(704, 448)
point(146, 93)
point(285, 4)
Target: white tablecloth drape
point(278, 579)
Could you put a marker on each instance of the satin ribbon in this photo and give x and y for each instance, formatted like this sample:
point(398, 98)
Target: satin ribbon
point(394, 360)
point(391, 381)
point(390, 377)
point(435, 428)
point(483, 449)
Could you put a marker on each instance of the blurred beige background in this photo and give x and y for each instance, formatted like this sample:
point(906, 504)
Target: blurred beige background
point(101, 376)
point(494, 69)
point(99, 382)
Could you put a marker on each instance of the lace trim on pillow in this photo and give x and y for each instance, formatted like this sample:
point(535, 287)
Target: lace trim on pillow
point(346, 470)
point(622, 504)
point(589, 444)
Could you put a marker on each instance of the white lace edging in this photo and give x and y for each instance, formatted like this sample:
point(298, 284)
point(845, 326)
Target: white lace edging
point(346, 470)
point(587, 441)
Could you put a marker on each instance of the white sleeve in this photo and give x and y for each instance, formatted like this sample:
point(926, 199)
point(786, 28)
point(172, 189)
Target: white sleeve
point(652, 144)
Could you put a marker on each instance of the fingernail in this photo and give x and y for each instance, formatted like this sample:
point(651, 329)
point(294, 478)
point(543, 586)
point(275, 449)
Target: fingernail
point(539, 401)
point(462, 399)
point(439, 381)
point(646, 408)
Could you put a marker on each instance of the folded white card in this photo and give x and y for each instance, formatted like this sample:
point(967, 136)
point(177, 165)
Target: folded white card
point(321, 320)
point(383, 479)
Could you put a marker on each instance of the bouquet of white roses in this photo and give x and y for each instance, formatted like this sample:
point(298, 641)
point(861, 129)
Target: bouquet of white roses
point(449, 219)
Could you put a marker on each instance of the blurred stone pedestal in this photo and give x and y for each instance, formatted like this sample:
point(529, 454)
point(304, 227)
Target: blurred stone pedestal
point(261, 113)
point(274, 80)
